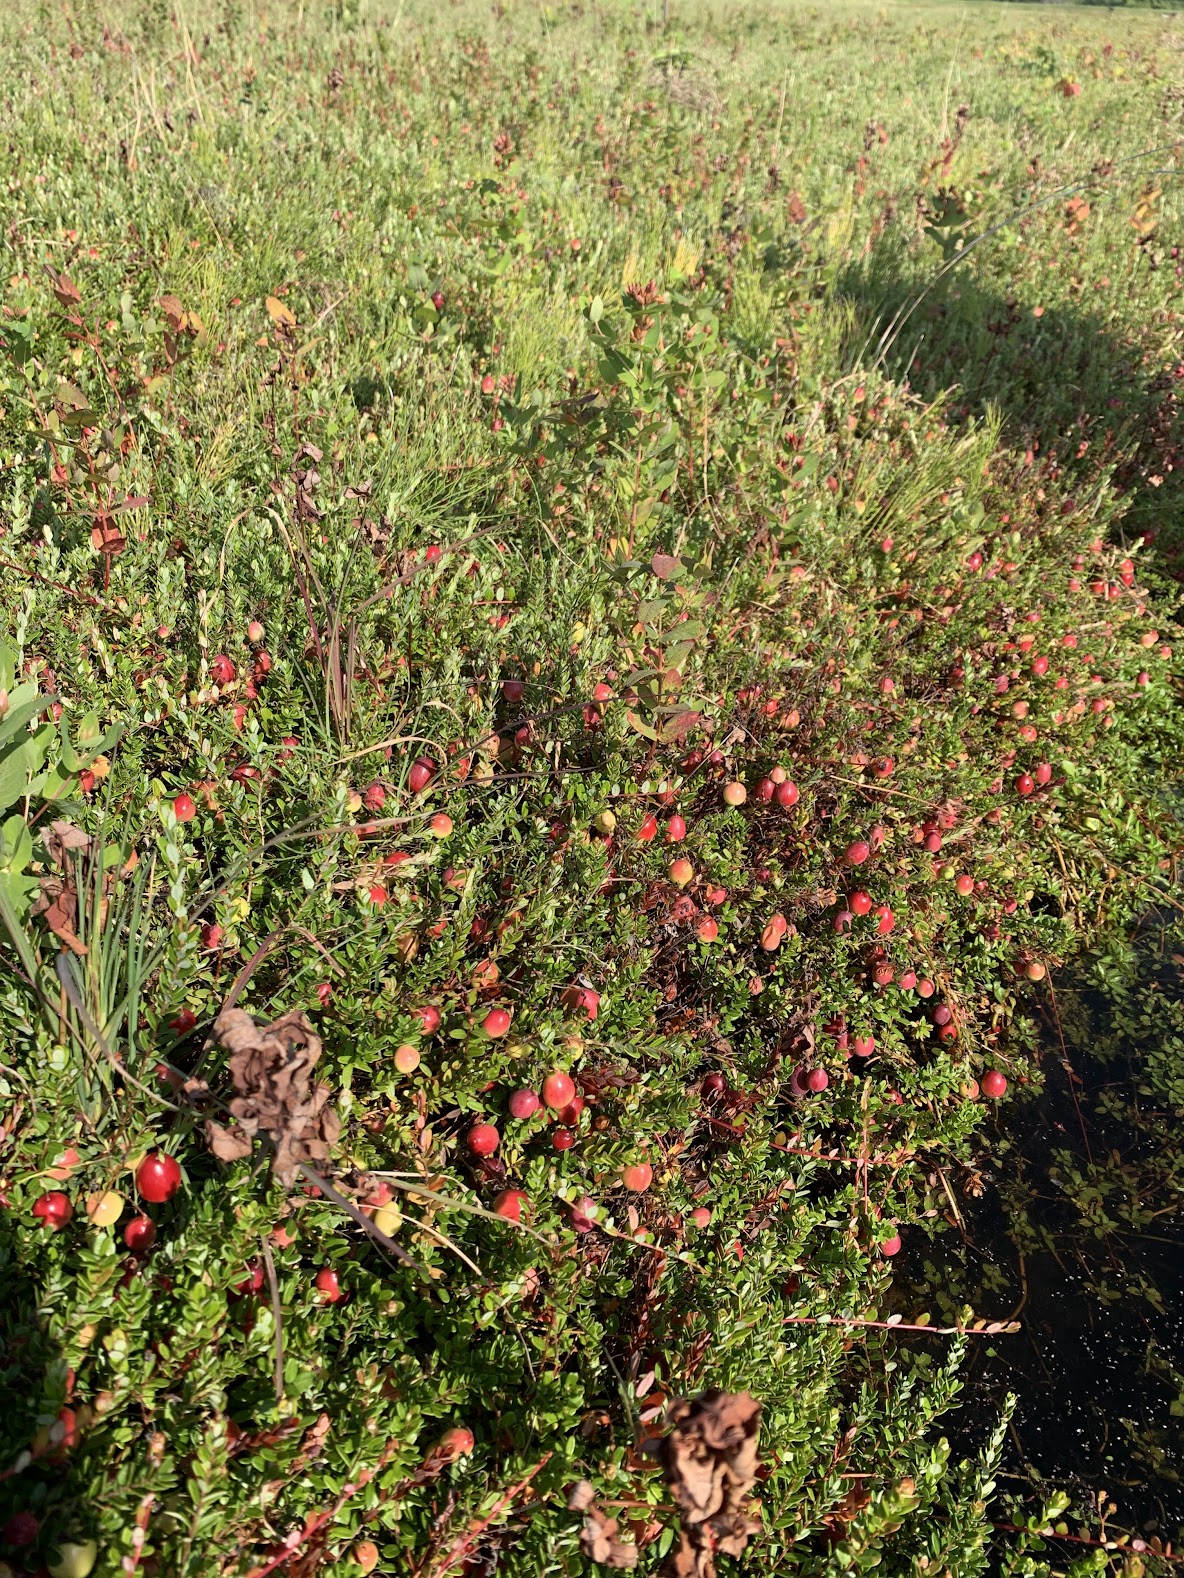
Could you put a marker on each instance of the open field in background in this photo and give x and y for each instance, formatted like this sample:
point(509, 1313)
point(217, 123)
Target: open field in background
point(446, 454)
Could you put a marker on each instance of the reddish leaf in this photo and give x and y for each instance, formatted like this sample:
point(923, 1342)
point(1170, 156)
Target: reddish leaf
point(66, 291)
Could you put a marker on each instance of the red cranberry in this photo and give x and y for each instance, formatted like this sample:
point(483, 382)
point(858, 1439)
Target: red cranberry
point(422, 771)
point(523, 1104)
point(140, 1234)
point(21, 1528)
point(483, 1139)
point(158, 1177)
point(328, 1286)
point(558, 1090)
point(53, 1209)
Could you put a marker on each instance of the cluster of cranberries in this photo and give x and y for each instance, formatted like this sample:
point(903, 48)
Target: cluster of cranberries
point(158, 1177)
point(558, 1095)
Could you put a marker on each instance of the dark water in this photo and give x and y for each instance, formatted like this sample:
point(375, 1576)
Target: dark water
point(1094, 1384)
point(1099, 1361)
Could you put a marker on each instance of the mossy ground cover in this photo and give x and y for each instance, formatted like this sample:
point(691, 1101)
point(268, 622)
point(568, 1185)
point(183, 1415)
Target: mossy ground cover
point(546, 547)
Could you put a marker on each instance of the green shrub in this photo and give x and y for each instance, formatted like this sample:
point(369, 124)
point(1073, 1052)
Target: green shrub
point(595, 530)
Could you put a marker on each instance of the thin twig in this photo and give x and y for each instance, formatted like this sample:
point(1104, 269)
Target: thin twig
point(988, 1329)
point(1106, 1545)
point(383, 1240)
point(882, 1160)
point(278, 1313)
point(464, 1544)
point(313, 1525)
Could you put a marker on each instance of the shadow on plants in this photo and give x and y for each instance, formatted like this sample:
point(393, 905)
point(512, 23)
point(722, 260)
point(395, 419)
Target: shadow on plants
point(37, 1430)
point(1078, 1234)
point(1079, 406)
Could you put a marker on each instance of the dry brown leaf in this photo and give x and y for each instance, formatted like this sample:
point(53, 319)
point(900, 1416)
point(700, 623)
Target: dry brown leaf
point(60, 837)
point(710, 1462)
point(228, 1145)
point(599, 1537)
point(283, 317)
point(57, 897)
point(270, 1066)
point(838, 1522)
point(57, 904)
point(105, 537)
point(66, 291)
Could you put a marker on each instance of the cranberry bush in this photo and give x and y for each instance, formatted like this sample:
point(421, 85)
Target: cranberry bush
point(662, 753)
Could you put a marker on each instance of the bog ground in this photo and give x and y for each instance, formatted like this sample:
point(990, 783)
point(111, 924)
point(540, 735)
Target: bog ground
point(586, 678)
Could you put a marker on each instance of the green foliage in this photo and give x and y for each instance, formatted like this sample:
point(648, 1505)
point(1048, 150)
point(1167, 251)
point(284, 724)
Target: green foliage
point(525, 381)
point(30, 781)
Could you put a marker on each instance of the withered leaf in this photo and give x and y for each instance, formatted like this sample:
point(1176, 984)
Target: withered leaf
point(173, 310)
point(57, 904)
point(710, 1463)
point(62, 836)
point(837, 1523)
point(105, 537)
point(283, 317)
point(57, 897)
point(66, 291)
point(599, 1539)
point(228, 1145)
point(270, 1066)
